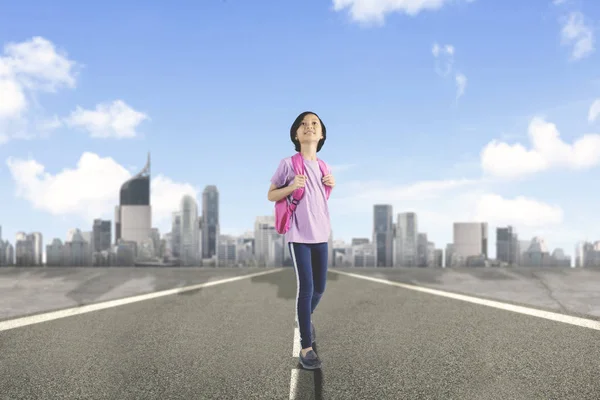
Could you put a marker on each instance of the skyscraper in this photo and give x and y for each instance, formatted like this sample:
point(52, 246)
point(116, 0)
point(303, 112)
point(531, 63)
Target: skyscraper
point(383, 234)
point(507, 245)
point(210, 221)
point(406, 239)
point(176, 234)
point(266, 238)
point(189, 230)
point(38, 247)
point(133, 216)
point(422, 250)
point(470, 241)
point(24, 249)
point(101, 234)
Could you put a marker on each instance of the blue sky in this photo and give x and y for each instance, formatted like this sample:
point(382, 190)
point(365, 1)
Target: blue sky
point(211, 88)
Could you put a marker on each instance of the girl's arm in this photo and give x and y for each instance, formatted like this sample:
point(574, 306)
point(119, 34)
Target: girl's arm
point(278, 194)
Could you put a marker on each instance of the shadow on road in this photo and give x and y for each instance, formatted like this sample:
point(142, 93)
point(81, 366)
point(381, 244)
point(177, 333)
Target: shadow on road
point(318, 379)
point(286, 282)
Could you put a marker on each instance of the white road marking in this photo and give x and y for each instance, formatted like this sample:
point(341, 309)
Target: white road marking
point(294, 383)
point(296, 349)
point(49, 316)
point(567, 319)
point(295, 378)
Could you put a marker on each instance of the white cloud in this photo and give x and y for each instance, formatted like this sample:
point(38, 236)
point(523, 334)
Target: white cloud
point(30, 66)
point(438, 204)
point(461, 84)
point(166, 196)
point(352, 196)
point(12, 99)
point(520, 211)
point(114, 120)
point(444, 58)
point(36, 65)
point(91, 189)
point(575, 32)
point(444, 63)
point(594, 111)
point(548, 150)
point(375, 10)
point(559, 2)
point(436, 50)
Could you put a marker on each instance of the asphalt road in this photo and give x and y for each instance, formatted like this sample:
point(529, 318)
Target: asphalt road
point(235, 340)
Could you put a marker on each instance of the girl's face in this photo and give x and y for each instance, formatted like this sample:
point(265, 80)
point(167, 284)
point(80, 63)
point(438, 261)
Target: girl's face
point(310, 130)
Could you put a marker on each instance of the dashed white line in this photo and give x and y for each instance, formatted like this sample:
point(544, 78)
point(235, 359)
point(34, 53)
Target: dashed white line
point(296, 347)
point(297, 372)
point(294, 383)
point(567, 319)
point(35, 319)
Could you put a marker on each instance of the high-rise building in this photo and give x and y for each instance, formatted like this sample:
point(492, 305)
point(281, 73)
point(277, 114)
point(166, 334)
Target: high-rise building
point(425, 251)
point(587, 254)
point(507, 245)
point(268, 244)
point(55, 253)
point(363, 255)
point(359, 241)
point(76, 250)
point(383, 234)
point(227, 254)
point(88, 237)
point(406, 240)
point(210, 221)
point(450, 256)
point(133, 216)
point(102, 235)
point(471, 242)
point(2, 249)
point(189, 231)
point(9, 253)
point(523, 247)
point(176, 235)
point(156, 242)
point(38, 248)
point(24, 249)
point(438, 258)
point(245, 249)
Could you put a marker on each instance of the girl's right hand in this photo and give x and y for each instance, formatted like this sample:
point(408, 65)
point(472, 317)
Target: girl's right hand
point(299, 181)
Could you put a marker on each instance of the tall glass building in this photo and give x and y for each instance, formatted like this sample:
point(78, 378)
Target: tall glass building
point(133, 215)
point(470, 240)
point(383, 235)
point(407, 235)
point(210, 221)
point(189, 230)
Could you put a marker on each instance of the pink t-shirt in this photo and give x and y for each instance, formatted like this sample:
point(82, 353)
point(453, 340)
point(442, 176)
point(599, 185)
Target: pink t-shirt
point(310, 222)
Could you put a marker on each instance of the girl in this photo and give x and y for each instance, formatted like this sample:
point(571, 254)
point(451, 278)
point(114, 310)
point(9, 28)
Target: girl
point(310, 226)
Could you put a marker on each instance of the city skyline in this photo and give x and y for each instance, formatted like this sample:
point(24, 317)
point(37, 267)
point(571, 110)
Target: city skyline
point(195, 239)
point(135, 193)
point(372, 237)
point(421, 114)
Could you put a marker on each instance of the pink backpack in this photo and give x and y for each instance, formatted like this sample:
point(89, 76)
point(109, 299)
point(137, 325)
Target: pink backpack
point(285, 208)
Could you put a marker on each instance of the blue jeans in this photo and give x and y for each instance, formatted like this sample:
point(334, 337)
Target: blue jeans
point(310, 263)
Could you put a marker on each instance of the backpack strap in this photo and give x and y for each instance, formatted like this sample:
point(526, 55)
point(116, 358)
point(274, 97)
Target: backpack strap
point(298, 165)
point(325, 171)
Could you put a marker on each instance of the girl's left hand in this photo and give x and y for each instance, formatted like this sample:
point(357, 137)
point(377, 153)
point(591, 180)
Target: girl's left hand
point(329, 180)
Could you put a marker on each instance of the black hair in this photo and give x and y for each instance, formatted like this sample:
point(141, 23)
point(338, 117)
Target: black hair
point(296, 125)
